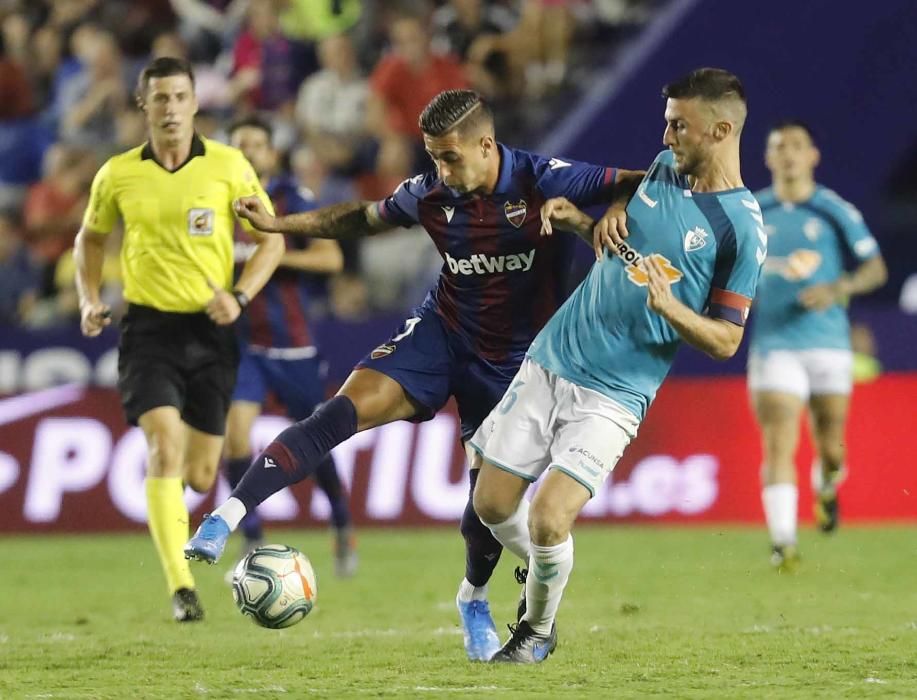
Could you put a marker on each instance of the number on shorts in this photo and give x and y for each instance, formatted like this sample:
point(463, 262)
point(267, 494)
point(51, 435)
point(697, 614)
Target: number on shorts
point(408, 329)
point(509, 400)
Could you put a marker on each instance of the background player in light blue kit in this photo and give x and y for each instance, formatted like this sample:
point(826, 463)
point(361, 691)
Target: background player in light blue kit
point(800, 340)
point(684, 268)
point(278, 351)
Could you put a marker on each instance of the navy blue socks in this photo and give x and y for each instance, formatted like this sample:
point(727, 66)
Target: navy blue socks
point(482, 551)
point(296, 453)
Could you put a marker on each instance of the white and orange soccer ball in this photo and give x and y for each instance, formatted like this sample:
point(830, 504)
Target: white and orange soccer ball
point(274, 585)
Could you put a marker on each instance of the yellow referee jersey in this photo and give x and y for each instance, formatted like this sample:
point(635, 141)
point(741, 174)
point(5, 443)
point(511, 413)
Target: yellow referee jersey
point(178, 226)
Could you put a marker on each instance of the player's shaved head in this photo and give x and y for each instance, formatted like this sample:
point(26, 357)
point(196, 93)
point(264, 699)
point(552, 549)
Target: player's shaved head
point(721, 91)
point(458, 133)
point(461, 110)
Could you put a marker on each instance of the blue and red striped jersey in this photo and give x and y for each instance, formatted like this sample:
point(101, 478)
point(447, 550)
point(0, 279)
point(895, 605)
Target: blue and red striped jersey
point(277, 316)
point(501, 280)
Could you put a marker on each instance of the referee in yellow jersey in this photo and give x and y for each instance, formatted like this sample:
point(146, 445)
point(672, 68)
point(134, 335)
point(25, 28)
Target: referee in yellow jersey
point(177, 353)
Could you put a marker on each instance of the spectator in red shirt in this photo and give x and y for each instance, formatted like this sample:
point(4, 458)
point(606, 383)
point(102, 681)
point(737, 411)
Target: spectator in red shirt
point(403, 82)
point(15, 90)
point(267, 67)
point(54, 206)
point(411, 75)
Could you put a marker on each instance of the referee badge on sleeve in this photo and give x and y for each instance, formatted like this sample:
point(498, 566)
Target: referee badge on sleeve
point(200, 222)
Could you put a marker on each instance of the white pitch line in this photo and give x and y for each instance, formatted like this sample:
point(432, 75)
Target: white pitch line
point(467, 689)
point(269, 689)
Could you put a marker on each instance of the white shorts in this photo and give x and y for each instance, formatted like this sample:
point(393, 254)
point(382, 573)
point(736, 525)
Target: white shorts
point(545, 421)
point(802, 372)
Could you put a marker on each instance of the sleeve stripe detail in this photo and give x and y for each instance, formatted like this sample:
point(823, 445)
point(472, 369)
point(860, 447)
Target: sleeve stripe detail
point(608, 183)
point(726, 243)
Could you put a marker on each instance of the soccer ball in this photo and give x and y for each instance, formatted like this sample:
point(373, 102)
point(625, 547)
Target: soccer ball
point(274, 585)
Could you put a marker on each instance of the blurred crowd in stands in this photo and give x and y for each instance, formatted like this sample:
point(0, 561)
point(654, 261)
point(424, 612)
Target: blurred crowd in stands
point(342, 82)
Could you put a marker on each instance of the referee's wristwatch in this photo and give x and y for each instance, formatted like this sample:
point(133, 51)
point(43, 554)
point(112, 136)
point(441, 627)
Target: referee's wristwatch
point(241, 299)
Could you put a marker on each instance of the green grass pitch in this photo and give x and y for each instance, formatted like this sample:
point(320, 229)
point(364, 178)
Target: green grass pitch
point(691, 612)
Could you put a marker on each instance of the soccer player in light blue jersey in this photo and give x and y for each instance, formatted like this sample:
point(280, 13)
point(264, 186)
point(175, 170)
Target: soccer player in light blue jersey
point(683, 267)
point(800, 341)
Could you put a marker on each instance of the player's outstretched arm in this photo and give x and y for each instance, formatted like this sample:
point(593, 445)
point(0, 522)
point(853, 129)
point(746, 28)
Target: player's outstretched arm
point(716, 337)
point(342, 221)
point(611, 230)
point(560, 212)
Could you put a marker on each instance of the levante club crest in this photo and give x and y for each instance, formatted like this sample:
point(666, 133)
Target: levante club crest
point(515, 213)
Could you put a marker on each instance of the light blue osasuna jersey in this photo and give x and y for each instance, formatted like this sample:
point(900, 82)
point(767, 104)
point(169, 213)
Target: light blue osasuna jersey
point(712, 246)
point(807, 242)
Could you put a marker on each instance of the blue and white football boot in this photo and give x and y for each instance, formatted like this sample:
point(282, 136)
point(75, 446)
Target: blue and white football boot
point(209, 540)
point(478, 629)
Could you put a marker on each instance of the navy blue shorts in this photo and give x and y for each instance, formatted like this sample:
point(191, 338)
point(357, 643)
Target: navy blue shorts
point(432, 364)
point(297, 382)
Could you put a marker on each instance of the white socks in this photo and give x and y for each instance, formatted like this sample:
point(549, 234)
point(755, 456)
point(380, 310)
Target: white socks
point(468, 591)
point(549, 567)
point(232, 512)
point(549, 571)
point(818, 479)
point(780, 505)
point(513, 533)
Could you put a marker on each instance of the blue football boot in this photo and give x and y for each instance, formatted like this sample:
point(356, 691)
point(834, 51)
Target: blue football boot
point(209, 540)
point(478, 629)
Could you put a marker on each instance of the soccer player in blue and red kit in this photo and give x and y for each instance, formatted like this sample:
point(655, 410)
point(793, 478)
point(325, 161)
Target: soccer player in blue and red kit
point(500, 282)
point(278, 352)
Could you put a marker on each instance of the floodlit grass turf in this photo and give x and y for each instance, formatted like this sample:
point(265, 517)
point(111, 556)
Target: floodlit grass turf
point(664, 612)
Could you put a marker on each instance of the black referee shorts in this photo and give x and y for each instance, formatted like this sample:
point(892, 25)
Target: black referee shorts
point(177, 359)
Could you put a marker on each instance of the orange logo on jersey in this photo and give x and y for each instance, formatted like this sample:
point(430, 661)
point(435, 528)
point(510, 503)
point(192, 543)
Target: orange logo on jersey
point(638, 275)
point(801, 264)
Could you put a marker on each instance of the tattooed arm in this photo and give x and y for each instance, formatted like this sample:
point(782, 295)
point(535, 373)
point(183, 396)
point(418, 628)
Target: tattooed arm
point(339, 221)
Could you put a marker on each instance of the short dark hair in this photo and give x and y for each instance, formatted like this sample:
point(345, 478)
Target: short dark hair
point(793, 124)
point(709, 84)
point(253, 121)
point(464, 109)
point(163, 67)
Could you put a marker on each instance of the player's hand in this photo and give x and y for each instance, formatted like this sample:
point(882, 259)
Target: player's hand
point(659, 297)
point(252, 209)
point(561, 212)
point(610, 231)
point(223, 309)
point(819, 297)
point(94, 317)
